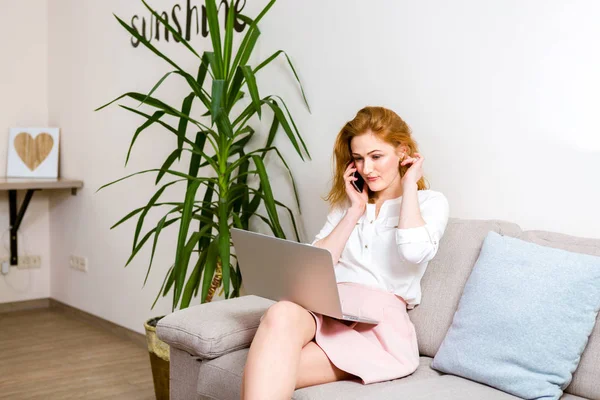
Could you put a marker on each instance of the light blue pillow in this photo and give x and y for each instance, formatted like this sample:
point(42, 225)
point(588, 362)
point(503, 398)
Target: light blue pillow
point(524, 318)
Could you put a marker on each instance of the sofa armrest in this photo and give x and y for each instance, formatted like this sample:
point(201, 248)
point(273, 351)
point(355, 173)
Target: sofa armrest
point(211, 330)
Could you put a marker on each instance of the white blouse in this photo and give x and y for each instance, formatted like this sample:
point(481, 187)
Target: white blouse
point(379, 254)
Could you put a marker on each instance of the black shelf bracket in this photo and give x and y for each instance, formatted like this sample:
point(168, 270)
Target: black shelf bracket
point(15, 220)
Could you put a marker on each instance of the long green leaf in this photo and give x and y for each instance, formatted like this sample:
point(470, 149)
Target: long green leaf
point(250, 38)
point(155, 87)
point(146, 43)
point(228, 44)
point(272, 132)
point(155, 117)
point(143, 214)
point(234, 89)
point(170, 281)
point(252, 88)
point(289, 210)
point(203, 69)
point(194, 280)
point(296, 196)
point(151, 101)
point(268, 222)
point(286, 127)
point(237, 222)
point(160, 105)
point(293, 124)
point(183, 122)
point(206, 213)
point(176, 173)
point(180, 265)
point(215, 36)
point(218, 93)
point(168, 127)
point(264, 151)
point(196, 88)
point(204, 220)
point(159, 227)
point(140, 209)
point(213, 161)
point(167, 276)
point(260, 195)
point(225, 128)
point(268, 60)
point(235, 281)
point(242, 180)
point(240, 145)
point(175, 154)
point(196, 157)
point(187, 252)
point(269, 201)
point(248, 45)
point(140, 245)
point(224, 246)
point(247, 113)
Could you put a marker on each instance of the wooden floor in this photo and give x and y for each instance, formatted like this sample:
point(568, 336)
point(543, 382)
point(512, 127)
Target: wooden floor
point(48, 354)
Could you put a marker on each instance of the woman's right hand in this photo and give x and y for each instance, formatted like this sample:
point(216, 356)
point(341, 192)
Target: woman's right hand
point(358, 201)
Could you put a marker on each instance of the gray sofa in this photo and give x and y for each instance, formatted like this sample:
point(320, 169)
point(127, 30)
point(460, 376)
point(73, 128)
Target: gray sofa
point(209, 343)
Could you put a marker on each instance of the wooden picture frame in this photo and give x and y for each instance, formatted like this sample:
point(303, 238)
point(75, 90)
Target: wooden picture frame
point(33, 153)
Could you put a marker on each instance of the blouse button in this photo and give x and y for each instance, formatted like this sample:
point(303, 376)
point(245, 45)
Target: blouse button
point(366, 247)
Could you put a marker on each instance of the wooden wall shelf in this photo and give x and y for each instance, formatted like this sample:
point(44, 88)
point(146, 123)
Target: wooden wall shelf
point(30, 185)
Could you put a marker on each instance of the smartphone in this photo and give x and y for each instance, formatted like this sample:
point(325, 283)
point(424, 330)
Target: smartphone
point(359, 183)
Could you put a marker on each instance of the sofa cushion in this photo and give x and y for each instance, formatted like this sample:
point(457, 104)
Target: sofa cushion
point(568, 396)
point(444, 387)
point(212, 329)
point(221, 378)
point(585, 378)
point(446, 275)
point(524, 318)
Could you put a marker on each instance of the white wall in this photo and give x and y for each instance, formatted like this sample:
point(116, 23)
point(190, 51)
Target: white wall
point(24, 102)
point(500, 95)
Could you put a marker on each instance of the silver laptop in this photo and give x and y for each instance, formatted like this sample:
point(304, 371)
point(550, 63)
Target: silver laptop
point(279, 269)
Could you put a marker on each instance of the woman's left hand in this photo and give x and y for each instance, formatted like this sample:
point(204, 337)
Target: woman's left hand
point(415, 171)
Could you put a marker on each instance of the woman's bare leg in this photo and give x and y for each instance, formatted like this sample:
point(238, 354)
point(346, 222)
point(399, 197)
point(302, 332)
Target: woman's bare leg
point(272, 364)
point(315, 368)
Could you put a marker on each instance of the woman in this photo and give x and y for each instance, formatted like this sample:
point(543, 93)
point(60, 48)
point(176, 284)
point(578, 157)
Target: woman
point(381, 240)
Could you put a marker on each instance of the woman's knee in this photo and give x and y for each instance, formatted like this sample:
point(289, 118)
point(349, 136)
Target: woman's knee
point(286, 316)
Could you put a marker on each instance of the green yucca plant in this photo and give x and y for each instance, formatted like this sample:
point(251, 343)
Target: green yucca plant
point(228, 199)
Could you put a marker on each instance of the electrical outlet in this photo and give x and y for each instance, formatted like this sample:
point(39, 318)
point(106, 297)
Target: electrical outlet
point(78, 263)
point(24, 262)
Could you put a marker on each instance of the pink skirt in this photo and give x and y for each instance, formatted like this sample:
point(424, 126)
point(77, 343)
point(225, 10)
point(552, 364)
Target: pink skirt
point(374, 353)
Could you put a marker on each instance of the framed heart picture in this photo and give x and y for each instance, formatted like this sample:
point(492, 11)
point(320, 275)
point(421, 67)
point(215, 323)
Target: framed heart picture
point(33, 153)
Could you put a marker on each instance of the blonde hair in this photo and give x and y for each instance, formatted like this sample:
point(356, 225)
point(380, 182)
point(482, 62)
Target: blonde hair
point(383, 123)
